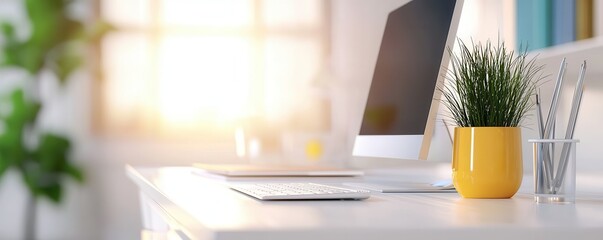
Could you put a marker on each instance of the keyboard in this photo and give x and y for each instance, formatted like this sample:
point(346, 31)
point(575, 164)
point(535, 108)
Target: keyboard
point(298, 191)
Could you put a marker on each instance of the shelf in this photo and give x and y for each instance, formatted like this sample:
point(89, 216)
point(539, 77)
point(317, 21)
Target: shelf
point(590, 50)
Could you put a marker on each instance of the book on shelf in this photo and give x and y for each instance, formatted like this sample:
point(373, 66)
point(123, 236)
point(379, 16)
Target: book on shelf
point(534, 24)
point(584, 19)
point(523, 10)
point(563, 21)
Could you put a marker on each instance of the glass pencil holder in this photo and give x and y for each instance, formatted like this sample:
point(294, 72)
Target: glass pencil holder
point(554, 170)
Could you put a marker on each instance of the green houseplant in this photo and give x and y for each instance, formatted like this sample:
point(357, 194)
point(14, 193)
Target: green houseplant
point(54, 45)
point(488, 93)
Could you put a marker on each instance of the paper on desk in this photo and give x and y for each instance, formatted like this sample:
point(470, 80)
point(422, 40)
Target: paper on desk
point(401, 187)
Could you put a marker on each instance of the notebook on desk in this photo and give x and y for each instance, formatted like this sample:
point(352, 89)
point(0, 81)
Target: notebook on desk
point(265, 170)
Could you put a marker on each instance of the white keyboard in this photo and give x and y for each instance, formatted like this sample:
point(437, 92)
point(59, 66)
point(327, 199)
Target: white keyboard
point(298, 191)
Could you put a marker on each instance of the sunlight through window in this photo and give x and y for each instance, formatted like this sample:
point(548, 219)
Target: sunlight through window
point(185, 66)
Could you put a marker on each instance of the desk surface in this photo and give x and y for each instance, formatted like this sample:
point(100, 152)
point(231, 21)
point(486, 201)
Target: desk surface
point(205, 208)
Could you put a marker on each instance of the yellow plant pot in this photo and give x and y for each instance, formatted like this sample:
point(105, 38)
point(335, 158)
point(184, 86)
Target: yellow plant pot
point(487, 161)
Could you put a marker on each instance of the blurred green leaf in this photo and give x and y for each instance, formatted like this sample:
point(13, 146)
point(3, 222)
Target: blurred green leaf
point(32, 57)
point(52, 153)
point(3, 166)
point(23, 112)
point(12, 47)
point(42, 183)
point(31, 174)
point(75, 172)
point(54, 192)
point(45, 17)
point(65, 63)
point(53, 44)
point(50, 28)
point(8, 30)
point(53, 156)
point(12, 151)
point(48, 165)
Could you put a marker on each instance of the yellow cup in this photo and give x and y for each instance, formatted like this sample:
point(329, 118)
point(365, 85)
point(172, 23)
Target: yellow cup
point(487, 161)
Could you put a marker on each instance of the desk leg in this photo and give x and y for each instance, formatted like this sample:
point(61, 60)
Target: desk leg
point(154, 225)
point(151, 219)
point(170, 235)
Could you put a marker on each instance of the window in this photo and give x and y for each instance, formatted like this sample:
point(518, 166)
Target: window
point(190, 67)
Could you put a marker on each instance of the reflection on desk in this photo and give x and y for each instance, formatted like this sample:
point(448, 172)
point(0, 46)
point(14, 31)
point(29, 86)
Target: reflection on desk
point(173, 199)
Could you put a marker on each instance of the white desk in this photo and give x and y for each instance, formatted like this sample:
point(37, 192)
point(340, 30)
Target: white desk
point(197, 207)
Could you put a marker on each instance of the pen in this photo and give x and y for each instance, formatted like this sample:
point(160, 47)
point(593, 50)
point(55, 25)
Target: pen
point(540, 179)
point(571, 126)
point(549, 128)
point(539, 116)
point(553, 108)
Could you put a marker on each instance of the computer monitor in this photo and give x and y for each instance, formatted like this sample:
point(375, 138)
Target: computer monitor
point(402, 104)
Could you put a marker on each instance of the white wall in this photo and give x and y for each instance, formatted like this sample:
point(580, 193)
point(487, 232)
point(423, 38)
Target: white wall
point(357, 27)
point(484, 20)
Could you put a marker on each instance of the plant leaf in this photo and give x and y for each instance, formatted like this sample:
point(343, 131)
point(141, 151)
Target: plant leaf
point(50, 28)
point(49, 46)
point(53, 192)
point(11, 47)
point(47, 165)
point(12, 152)
point(3, 165)
point(23, 113)
point(75, 172)
point(489, 85)
point(65, 62)
point(52, 153)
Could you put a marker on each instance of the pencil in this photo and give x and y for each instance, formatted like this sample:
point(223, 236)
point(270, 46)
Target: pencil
point(549, 127)
point(571, 126)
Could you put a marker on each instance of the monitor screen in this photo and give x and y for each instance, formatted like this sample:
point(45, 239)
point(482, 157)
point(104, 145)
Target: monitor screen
point(401, 107)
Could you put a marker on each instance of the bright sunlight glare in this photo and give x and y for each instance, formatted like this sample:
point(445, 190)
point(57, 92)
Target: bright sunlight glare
point(199, 64)
point(203, 78)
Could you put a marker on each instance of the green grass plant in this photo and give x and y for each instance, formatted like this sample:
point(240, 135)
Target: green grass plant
point(489, 86)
